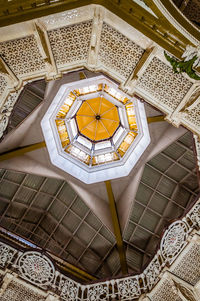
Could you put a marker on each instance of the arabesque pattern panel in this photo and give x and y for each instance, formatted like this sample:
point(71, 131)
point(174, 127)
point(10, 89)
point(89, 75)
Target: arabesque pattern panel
point(71, 43)
point(161, 83)
point(117, 52)
point(22, 55)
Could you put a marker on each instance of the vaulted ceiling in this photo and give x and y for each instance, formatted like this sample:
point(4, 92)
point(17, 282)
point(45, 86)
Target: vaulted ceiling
point(50, 213)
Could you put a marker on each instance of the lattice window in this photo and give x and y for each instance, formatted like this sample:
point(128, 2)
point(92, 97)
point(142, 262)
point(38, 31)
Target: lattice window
point(189, 267)
point(22, 55)
point(16, 292)
point(71, 43)
point(117, 52)
point(162, 83)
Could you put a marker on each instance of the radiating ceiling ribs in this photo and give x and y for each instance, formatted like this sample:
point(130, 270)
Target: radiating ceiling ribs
point(144, 235)
point(163, 215)
point(147, 230)
point(152, 195)
point(117, 229)
point(60, 220)
point(178, 163)
point(21, 151)
point(56, 227)
point(158, 118)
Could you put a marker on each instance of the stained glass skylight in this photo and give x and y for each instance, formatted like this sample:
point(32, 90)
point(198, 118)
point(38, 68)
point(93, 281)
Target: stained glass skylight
point(94, 131)
point(97, 119)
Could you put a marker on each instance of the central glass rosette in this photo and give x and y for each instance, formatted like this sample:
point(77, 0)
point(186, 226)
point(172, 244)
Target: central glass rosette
point(97, 119)
point(94, 131)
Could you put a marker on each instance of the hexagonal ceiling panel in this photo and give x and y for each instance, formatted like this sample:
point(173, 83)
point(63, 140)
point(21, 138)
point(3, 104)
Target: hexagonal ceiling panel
point(94, 131)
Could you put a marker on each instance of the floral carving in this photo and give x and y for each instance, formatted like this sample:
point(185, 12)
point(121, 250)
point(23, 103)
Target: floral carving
point(6, 111)
point(194, 216)
point(36, 268)
point(68, 289)
point(153, 270)
point(98, 292)
point(128, 288)
point(197, 144)
point(6, 254)
point(174, 240)
point(39, 270)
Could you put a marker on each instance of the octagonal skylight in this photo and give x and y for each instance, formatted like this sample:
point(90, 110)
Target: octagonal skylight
point(94, 131)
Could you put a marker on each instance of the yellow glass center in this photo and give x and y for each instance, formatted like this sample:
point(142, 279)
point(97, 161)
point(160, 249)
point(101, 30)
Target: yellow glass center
point(97, 119)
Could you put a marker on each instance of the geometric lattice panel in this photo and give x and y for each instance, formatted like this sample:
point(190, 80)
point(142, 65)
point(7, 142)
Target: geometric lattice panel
point(188, 268)
point(71, 43)
point(117, 52)
point(18, 292)
point(3, 84)
point(165, 292)
point(22, 55)
point(163, 84)
point(193, 116)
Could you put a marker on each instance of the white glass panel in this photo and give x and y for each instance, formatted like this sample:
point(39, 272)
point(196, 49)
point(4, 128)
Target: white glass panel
point(84, 142)
point(118, 134)
point(73, 127)
point(102, 145)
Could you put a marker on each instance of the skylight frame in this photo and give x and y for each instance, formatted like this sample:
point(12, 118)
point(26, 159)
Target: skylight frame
point(78, 169)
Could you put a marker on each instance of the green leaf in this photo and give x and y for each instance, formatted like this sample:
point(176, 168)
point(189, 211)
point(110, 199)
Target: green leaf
point(183, 66)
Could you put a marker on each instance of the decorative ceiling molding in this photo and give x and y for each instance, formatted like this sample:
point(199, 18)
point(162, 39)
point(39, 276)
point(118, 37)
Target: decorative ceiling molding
point(175, 17)
point(75, 42)
point(162, 32)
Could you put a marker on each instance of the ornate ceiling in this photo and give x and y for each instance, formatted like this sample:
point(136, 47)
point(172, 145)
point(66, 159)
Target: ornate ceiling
point(107, 229)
